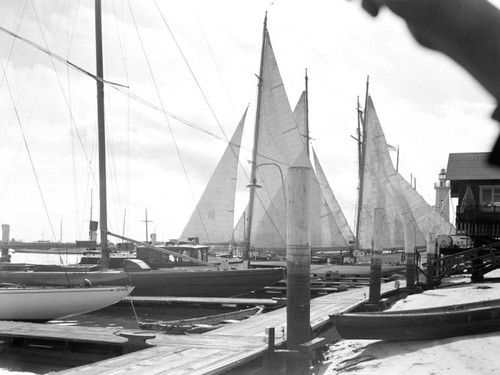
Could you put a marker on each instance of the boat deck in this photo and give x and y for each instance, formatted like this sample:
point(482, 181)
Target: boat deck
point(214, 352)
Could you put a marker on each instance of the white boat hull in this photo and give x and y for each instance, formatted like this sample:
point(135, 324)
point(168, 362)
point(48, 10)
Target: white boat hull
point(39, 304)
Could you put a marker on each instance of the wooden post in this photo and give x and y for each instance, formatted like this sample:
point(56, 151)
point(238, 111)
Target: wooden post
point(103, 210)
point(376, 259)
point(431, 256)
point(410, 240)
point(5, 240)
point(298, 265)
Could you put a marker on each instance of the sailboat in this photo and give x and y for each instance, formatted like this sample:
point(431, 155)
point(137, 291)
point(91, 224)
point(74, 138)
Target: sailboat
point(383, 186)
point(203, 281)
point(41, 304)
point(280, 139)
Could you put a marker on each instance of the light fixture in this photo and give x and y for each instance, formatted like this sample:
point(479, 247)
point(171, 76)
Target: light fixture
point(254, 184)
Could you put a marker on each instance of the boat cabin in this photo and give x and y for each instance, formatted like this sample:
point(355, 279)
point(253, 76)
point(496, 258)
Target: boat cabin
point(476, 184)
point(155, 258)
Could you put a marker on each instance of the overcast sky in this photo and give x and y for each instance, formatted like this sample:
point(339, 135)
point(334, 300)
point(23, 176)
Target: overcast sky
point(198, 60)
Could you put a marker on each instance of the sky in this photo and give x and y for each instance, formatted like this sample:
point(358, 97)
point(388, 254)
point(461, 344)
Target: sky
point(198, 61)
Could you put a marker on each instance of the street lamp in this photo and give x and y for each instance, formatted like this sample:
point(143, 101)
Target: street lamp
point(255, 185)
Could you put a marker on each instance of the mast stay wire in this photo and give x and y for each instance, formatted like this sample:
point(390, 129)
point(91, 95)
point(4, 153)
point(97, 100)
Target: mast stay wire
point(123, 50)
point(126, 91)
point(162, 106)
point(65, 97)
point(28, 151)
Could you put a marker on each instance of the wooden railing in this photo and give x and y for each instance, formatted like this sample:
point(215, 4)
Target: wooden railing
point(477, 262)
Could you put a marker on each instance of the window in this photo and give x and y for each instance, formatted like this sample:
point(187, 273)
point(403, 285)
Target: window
point(489, 197)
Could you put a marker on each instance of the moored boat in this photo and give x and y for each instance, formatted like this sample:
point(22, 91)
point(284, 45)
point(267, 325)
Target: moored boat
point(201, 324)
point(421, 324)
point(357, 269)
point(198, 282)
point(41, 304)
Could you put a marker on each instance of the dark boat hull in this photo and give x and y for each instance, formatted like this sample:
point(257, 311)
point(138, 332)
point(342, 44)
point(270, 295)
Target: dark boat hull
point(199, 283)
point(424, 324)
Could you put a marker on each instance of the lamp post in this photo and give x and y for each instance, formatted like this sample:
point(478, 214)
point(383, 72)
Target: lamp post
point(254, 185)
point(298, 262)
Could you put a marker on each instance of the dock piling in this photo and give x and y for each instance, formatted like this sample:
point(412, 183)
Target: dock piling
point(376, 258)
point(431, 256)
point(298, 263)
point(410, 241)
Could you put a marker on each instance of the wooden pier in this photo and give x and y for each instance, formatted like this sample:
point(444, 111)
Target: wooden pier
point(158, 300)
point(214, 352)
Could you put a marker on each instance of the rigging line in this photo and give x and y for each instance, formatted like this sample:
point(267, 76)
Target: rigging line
point(68, 105)
point(62, 89)
point(123, 51)
point(162, 106)
point(116, 86)
point(3, 78)
point(191, 71)
point(214, 61)
point(7, 66)
point(163, 109)
point(59, 58)
point(73, 153)
point(122, 88)
point(28, 151)
point(13, 42)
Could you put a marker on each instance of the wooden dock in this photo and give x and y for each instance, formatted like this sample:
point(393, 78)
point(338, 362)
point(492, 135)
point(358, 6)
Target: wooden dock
point(144, 300)
point(214, 352)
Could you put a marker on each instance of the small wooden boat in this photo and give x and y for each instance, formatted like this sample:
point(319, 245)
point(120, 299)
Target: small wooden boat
point(202, 324)
point(41, 304)
point(421, 324)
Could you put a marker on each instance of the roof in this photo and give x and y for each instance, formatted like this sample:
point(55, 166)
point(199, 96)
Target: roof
point(471, 166)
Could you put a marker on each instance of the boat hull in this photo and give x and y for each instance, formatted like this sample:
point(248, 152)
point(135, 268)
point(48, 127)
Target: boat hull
point(424, 324)
point(38, 304)
point(360, 270)
point(200, 283)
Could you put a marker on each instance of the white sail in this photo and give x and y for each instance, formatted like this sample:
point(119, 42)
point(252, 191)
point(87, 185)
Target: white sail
point(213, 218)
point(427, 217)
point(278, 145)
point(334, 216)
point(382, 188)
point(325, 229)
point(281, 141)
point(300, 116)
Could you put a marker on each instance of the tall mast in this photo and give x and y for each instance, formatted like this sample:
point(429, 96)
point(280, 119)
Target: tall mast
point(307, 114)
point(101, 136)
point(361, 155)
point(255, 143)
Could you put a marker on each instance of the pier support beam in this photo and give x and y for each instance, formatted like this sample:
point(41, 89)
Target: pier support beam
point(298, 265)
point(410, 241)
point(376, 258)
point(5, 240)
point(431, 256)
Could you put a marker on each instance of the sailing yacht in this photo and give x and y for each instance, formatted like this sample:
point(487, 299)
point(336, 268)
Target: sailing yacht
point(384, 187)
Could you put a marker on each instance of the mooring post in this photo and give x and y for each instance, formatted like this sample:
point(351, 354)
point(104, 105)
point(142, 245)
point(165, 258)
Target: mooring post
point(410, 241)
point(431, 256)
point(5, 240)
point(376, 259)
point(298, 266)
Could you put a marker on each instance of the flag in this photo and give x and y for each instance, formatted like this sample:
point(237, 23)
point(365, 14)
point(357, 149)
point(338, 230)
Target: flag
point(391, 148)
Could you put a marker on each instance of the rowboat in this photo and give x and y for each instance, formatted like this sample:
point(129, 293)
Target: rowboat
point(41, 304)
point(200, 325)
point(421, 324)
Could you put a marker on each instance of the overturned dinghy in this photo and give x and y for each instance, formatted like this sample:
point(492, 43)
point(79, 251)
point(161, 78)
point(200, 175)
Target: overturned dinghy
point(421, 324)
